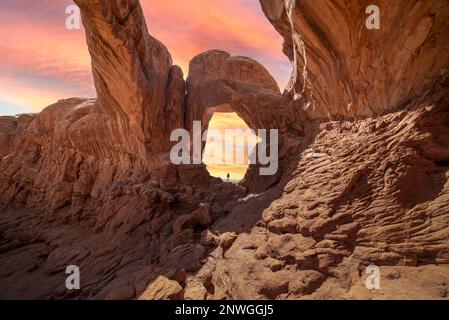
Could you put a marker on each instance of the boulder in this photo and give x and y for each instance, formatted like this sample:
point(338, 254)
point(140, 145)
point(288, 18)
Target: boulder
point(284, 225)
point(227, 239)
point(195, 291)
point(208, 239)
point(307, 282)
point(162, 289)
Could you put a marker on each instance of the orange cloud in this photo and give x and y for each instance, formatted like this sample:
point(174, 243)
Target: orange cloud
point(42, 61)
point(32, 48)
point(31, 96)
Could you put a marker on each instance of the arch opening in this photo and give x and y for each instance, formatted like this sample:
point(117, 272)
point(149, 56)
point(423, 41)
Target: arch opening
point(228, 146)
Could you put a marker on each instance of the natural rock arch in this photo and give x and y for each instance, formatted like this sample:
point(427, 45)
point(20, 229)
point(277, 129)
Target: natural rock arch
point(219, 82)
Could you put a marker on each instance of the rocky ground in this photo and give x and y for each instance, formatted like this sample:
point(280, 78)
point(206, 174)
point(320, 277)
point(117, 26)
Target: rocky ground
point(363, 173)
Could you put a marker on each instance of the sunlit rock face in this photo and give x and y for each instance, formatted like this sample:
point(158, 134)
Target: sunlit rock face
point(362, 179)
point(343, 70)
point(140, 93)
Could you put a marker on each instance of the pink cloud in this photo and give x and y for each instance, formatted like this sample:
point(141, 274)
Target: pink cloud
point(42, 61)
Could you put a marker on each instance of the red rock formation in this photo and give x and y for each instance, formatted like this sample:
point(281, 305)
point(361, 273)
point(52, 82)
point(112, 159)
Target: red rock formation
point(343, 70)
point(136, 84)
point(88, 182)
point(362, 193)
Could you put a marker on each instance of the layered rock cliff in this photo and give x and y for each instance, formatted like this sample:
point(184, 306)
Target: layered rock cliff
point(343, 70)
point(363, 177)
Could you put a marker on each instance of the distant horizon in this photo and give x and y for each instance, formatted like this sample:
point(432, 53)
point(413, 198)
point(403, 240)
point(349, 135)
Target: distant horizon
point(216, 166)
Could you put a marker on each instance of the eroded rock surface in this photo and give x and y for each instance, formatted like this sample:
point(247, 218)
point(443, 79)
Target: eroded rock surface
point(362, 193)
point(342, 70)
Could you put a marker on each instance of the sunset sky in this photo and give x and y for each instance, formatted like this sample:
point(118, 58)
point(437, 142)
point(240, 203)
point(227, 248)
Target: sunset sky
point(41, 61)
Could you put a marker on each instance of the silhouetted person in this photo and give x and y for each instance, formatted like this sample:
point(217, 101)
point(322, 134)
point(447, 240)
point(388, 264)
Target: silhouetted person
point(228, 176)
